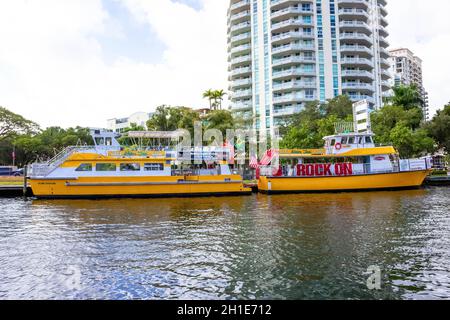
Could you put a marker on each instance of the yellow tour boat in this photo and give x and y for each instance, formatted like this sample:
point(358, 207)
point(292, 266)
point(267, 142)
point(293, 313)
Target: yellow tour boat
point(106, 170)
point(348, 162)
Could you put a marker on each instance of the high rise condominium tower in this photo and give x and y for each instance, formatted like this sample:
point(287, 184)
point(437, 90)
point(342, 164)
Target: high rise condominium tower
point(284, 53)
point(406, 69)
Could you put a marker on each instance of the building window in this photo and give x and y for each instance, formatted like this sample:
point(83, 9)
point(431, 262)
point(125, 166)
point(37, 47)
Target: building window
point(153, 167)
point(130, 167)
point(105, 167)
point(84, 167)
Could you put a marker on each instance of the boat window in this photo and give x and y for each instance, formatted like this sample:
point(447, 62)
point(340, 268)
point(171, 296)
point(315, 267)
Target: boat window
point(351, 140)
point(99, 141)
point(333, 142)
point(84, 167)
point(368, 139)
point(130, 167)
point(153, 167)
point(105, 167)
point(344, 140)
point(360, 140)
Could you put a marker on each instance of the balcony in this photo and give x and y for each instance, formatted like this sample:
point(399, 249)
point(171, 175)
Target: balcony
point(241, 83)
point(241, 60)
point(240, 17)
point(357, 38)
point(357, 61)
point(353, 13)
point(287, 24)
point(385, 75)
point(240, 27)
point(241, 49)
point(292, 48)
point(355, 25)
point(355, 3)
point(241, 71)
point(359, 86)
point(240, 5)
point(359, 97)
point(361, 74)
point(289, 11)
point(292, 73)
point(292, 60)
point(292, 36)
point(352, 49)
point(282, 112)
point(241, 94)
point(291, 85)
point(240, 38)
point(241, 106)
point(386, 85)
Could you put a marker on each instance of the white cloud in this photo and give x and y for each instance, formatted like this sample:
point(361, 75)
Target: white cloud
point(53, 70)
point(424, 27)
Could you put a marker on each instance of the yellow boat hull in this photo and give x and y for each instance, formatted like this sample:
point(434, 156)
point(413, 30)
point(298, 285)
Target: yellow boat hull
point(99, 187)
point(399, 180)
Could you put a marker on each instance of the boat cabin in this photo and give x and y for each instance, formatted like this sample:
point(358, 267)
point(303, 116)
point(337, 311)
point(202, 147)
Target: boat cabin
point(342, 143)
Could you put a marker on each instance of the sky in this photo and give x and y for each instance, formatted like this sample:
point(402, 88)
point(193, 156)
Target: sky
point(81, 62)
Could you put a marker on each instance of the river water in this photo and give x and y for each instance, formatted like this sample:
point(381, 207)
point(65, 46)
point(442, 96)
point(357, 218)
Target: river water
point(264, 247)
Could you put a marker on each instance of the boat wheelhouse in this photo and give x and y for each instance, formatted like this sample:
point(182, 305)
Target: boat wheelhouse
point(348, 162)
point(106, 169)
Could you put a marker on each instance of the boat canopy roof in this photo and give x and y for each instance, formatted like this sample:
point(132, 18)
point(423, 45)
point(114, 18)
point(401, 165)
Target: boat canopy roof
point(156, 134)
point(350, 134)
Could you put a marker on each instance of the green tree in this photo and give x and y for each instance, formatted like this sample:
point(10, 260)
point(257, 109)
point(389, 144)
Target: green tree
point(220, 120)
point(401, 127)
point(210, 95)
point(439, 128)
point(307, 128)
point(168, 118)
point(218, 96)
point(12, 124)
point(407, 97)
point(340, 106)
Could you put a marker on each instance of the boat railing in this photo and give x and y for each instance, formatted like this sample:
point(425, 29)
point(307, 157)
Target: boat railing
point(405, 165)
point(196, 172)
point(43, 169)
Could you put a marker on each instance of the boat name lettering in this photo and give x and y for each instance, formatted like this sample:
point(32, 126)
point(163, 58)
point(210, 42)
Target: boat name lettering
point(325, 170)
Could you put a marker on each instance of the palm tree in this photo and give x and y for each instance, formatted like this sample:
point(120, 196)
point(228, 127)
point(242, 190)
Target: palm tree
point(406, 96)
point(218, 98)
point(209, 94)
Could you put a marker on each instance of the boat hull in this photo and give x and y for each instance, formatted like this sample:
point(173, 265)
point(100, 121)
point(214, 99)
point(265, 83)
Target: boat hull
point(401, 180)
point(111, 187)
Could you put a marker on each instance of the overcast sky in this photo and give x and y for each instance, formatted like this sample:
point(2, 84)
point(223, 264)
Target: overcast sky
point(81, 62)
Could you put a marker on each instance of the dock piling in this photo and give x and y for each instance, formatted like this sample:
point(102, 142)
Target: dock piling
point(25, 181)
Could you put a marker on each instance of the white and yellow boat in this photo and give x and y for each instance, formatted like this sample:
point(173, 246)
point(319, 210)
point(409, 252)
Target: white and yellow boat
point(105, 170)
point(348, 162)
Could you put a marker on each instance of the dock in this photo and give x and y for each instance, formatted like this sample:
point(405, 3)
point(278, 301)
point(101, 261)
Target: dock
point(13, 191)
point(437, 181)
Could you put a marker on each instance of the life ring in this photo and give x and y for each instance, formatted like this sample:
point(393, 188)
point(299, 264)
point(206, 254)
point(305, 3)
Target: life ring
point(338, 146)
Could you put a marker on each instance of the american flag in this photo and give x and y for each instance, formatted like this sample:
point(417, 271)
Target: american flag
point(268, 157)
point(254, 162)
point(228, 145)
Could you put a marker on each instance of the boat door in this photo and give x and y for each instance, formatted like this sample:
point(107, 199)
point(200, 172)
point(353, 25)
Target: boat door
point(367, 164)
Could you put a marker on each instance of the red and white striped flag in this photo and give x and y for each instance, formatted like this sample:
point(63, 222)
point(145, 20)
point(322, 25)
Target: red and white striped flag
point(268, 157)
point(254, 162)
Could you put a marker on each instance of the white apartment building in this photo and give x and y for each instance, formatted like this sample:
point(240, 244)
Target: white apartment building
point(284, 53)
point(406, 69)
point(120, 124)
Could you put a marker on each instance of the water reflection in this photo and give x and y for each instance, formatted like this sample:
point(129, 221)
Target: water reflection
point(277, 247)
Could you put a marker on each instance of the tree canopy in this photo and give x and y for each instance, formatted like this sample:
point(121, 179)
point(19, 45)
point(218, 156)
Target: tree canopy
point(439, 128)
point(12, 124)
point(307, 128)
